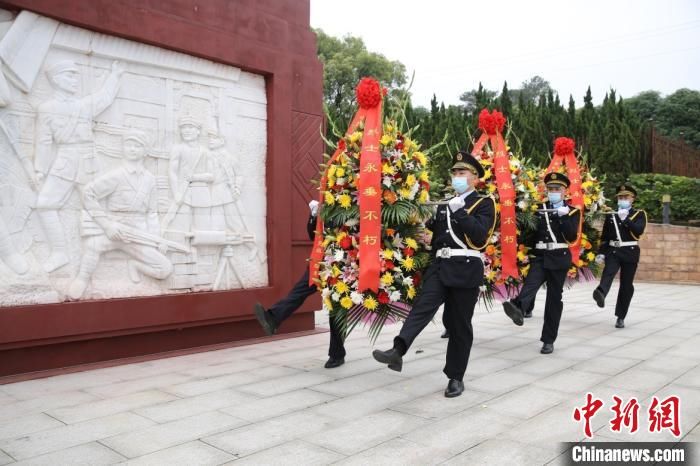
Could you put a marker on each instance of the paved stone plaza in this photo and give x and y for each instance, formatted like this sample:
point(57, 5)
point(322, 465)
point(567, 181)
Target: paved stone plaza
point(274, 403)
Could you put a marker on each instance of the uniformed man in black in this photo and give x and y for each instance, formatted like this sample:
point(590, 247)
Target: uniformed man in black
point(461, 229)
point(271, 319)
point(620, 250)
point(557, 228)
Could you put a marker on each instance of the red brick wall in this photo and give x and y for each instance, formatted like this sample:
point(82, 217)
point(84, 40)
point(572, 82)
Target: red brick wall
point(670, 253)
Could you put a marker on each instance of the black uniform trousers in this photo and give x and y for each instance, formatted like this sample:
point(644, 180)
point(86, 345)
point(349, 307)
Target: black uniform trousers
point(553, 306)
point(627, 271)
point(459, 309)
point(284, 308)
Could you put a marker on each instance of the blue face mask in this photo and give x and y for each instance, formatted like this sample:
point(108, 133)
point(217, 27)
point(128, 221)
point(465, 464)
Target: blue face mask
point(624, 204)
point(554, 198)
point(459, 184)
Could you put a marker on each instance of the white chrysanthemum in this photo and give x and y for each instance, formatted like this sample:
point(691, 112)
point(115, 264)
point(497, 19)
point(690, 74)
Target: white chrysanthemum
point(395, 295)
point(339, 254)
point(356, 297)
point(335, 297)
point(325, 292)
point(408, 281)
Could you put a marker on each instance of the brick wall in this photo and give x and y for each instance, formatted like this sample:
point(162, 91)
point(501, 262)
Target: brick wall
point(670, 253)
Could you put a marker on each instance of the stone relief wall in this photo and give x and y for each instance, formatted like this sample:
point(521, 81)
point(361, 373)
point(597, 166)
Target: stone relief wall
point(125, 169)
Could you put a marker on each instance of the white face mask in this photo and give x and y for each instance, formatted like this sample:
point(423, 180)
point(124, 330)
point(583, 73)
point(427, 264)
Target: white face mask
point(624, 204)
point(554, 198)
point(460, 184)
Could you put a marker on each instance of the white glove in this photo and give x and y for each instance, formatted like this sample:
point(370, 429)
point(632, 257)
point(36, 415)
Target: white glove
point(563, 210)
point(456, 203)
point(622, 213)
point(313, 207)
point(600, 259)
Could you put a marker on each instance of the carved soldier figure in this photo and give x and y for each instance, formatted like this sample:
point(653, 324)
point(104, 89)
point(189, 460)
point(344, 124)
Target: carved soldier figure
point(123, 203)
point(64, 152)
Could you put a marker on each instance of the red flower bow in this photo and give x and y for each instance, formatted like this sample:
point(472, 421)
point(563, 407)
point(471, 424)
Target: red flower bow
point(368, 92)
point(563, 146)
point(491, 122)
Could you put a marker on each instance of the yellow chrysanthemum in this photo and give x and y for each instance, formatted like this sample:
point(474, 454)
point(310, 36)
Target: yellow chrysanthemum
point(370, 303)
point(407, 263)
point(339, 172)
point(387, 169)
point(411, 292)
point(410, 180)
point(346, 302)
point(424, 196)
point(404, 193)
point(387, 279)
point(341, 287)
point(327, 303)
point(491, 276)
point(328, 198)
point(335, 271)
point(422, 159)
point(388, 128)
point(524, 270)
point(345, 201)
point(487, 173)
point(387, 253)
point(331, 181)
point(424, 176)
point(356, 136)
point(385, 140)
point(492, 187)
point(590, 256)
point(331, 170)
point(411, 243)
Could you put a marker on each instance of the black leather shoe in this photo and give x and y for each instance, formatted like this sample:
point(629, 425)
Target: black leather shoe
point(620, 323)
point(547, 348)
point(266, 321)
point(445, 334)
point(390, 357)
point(331, 363)
point(599, 298)
point(513, 312)
point(454, 388)
point(527, 314)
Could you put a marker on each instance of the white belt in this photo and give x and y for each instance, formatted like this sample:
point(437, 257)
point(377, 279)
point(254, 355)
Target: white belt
point(550, 246)
point(619, 244)
point(446, 253)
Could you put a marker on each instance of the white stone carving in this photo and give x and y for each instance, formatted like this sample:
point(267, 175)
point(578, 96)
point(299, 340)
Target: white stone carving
point(100, 138)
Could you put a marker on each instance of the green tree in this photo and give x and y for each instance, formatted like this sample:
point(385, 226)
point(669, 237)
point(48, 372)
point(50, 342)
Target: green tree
point(345, 62)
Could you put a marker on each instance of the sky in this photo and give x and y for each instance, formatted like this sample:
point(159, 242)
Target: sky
point(451, 46)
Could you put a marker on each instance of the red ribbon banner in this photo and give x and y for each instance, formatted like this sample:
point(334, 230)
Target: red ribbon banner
point(492, 126)
point(564, 155)
point(369, 97)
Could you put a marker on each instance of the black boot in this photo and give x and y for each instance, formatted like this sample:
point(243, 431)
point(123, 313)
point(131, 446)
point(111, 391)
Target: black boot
point(513, 312)
point(267, 322)
point(547, 348)
point(454, 388)
point(620, 323)
point(390, 357)
point(527, 314)
point(599, 298)
point(334, 362)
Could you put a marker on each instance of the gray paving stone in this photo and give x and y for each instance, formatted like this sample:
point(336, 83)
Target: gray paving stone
point(138, 385)
point(5, 459)
point(361, 404)
point(639, 379)
point(295, 452)
point(495, 451)
point(182, 408)
point(570, 380)
point(60, 438)
point(277, 405)
point(436, 406)
point(525, 402)
point(188, 454)
point(357, 383)
point(397, 452)
point(366, 432)
point(43, 403)
point(101, 408)
point(608, 365)
point(139, 442)
point(213, 384)
point(461, 431)
point(27, 425)
point(284, 384)
point(87, 454)
point(250, 439)
point(500, 382)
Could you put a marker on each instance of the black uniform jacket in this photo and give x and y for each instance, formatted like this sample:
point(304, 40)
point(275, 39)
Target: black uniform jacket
point(565, 229)
point(473, 225)
point(631, 229)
